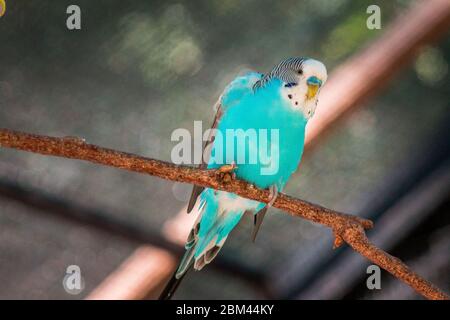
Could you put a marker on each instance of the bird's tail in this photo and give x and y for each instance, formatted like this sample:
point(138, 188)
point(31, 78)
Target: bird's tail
point(180, 272)
point(204, 241)
point(171, 286)
point(185, 263)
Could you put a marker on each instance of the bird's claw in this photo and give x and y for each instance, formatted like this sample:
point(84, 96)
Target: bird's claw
point(273, 195)
point(226, 168)
point(226, 172)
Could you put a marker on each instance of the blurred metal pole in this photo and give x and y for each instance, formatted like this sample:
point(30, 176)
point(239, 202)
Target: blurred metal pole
point(406, 214)
point(353, 82)
point(433, 263)
point(52, 205)
point(371, 69)
point(141, 276)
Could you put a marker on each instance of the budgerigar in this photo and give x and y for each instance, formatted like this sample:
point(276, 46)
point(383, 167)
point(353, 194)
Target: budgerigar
point(283, 100)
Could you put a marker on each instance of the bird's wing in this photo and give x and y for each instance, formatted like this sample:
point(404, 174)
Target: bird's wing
point(196, 190)
point(259, 217)
point(231, 96)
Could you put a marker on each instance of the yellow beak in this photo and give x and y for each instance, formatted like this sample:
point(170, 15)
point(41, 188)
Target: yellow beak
point(313, 87)
point(312, 91)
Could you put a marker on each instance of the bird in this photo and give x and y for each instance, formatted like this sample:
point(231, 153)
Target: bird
point(282, 100)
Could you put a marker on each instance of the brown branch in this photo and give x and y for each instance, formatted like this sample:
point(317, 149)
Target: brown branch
point(346, 228)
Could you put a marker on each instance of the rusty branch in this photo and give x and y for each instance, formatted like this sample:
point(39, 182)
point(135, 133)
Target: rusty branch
point(346, 228)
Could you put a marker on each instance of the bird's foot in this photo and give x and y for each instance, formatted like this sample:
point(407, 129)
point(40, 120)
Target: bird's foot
point(273, 195)
point(226, 172)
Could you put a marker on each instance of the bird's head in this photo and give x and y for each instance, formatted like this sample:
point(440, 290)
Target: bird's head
point(302, 80)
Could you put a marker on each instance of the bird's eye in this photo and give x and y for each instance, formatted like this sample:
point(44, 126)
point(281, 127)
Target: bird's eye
point(300, 72)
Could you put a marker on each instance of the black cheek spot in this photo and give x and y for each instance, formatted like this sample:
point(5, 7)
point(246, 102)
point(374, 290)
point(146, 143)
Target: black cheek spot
point(290, 96)
point(296, 103)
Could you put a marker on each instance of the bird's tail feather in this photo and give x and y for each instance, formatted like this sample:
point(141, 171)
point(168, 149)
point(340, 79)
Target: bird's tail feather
point(178, 275)
point(186, 262)
point(171, 286)
point(203, 247)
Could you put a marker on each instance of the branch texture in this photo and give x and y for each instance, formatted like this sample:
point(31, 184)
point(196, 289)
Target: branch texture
point(346, 228)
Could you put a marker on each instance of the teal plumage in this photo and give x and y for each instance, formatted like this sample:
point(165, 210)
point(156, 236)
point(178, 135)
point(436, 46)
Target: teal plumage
point(264, 109)
point(283, 100)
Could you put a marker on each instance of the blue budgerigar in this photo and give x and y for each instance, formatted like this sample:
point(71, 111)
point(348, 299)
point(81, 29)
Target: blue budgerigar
point(282, 100)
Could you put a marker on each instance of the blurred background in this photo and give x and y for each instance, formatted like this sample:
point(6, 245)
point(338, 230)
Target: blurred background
point(136, 71)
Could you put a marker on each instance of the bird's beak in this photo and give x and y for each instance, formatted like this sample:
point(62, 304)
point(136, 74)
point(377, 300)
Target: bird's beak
point(313, 86)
